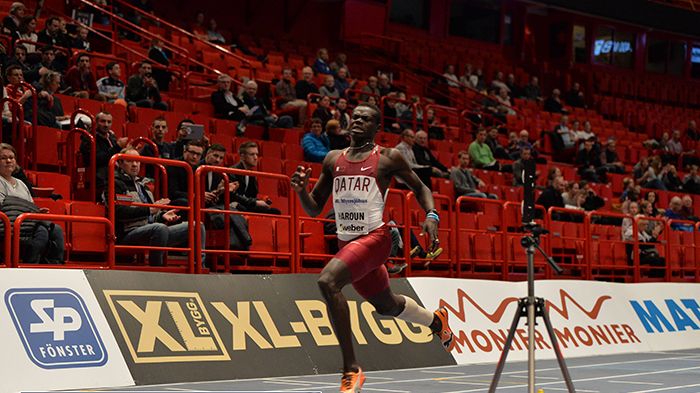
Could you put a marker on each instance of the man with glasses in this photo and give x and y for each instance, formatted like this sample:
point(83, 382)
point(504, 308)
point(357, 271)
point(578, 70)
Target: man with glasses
point(247, 192)
point(177, 176)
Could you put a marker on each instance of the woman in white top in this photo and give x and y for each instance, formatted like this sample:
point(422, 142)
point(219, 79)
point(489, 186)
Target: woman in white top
point(27, 31)
point(44, 235)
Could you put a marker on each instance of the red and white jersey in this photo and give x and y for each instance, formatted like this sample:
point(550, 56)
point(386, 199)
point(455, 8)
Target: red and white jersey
point(358, 200)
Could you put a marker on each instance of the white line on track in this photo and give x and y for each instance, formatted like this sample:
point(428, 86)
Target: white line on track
point(639, 383)
point(439, 372)
point(386, 390)
point(668, 388)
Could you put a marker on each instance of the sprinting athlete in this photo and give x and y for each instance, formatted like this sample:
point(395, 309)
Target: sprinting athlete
point(359, 177)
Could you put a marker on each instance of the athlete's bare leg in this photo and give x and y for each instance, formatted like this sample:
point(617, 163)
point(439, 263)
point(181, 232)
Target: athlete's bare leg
point(334, 277)
point(387, 303)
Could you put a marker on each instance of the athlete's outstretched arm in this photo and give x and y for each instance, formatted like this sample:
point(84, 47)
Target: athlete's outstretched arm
point(423, 195)
point(313, 202)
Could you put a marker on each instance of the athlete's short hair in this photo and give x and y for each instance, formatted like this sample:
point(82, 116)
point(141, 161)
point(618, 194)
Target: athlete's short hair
point(377, 112)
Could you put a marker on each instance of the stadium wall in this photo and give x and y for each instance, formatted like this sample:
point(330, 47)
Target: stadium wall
point(65, 329)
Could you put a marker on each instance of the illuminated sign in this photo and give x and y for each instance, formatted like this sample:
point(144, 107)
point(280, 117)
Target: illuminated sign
point(695, 55)
point(604, 47)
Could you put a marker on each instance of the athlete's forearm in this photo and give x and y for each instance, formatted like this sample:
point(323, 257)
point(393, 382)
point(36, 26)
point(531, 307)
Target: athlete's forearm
point(425, 198)
point(311, 207)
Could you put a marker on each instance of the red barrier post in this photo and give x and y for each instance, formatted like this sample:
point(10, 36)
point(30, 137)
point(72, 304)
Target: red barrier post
point(7, 240)
point(160, 176)
point(109, 263)
point(72, 165)
point(191, 197)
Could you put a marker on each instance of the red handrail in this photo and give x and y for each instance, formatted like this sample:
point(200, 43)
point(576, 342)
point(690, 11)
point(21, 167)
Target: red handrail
point(72, 165)
point(17, 121)
point(7, 240)
point(198, 210)
point(163, 22)
point(35, 121)
point(108, 264)
point(81, 111)
point(191, 197)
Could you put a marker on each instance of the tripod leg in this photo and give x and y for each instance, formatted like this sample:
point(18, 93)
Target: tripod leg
point(506, 346)
point(557, 350)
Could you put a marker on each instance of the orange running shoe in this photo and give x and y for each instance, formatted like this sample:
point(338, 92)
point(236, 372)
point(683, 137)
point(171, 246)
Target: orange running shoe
point(445, 333)
point(351, 382)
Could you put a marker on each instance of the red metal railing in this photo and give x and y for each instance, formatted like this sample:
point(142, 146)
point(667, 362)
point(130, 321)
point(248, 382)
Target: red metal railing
point(17, 131)
point(161, 175)
point(6, 241)
point(107, 264)
point(199, 177)
point(111, 202)
point(77, 174)
point(571, 250)
point(490, 264)
point(35, 115)
point(445, 263)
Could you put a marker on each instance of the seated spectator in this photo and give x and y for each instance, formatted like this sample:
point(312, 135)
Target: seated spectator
point(328, 89)
point(513, 147)
point(177, 176)
point(691, 181)
point(450, 76)
point(647, 232)
point(640, 169)
point(321, 65)
point(214, 189)
point(532, 90)
point(384, 85)
point(315, 142)
point(570, 195)
point(111, 87)
point(630, 191)
point(27, 32)
point(142, 91)
point(585, 133)
point(338, 138)
point(19, 58)
point(213, 33)
point(81, 42)
point(159, 128)
point(465, 78)
point(198, 28)
point(671, 179)
point(589, 166)
point(675, 212)
point(340, 62)
point(435, 129)
point(14, 76)
point(226, 105)
point(589, 199)
point(46, 64)
point(513, 88)
point(574, 97)
point(53, 34)
point(499, 82)
point(371, 89)
point(552, 195)
point(107, 145)
point(306, 85)
point(653, 177)
point(687, 210)
point(342, 83)
point(50, 109)
point(425, 157)
point(177, 148)
point(341, 114)
point(162, 57)
point(552, 173)
point(567, 136)
point(323, 111)
point(390, 115)
point(247, 192)
point(141, 225)
point(651, 197)
point(480, 79)
point(481, 154)
point(692, 132)
point(465, 183)
point(256, 112)
point(405, 147)
point(11, 23)
point(496, 148)
point(609, 158)
point(81, 80)
point(524, 140)
point(506, 106)
point(287, 95)
point(493, 107)
point(40, 241)
point(553, 104)
point(519, 166)
point(675, 149)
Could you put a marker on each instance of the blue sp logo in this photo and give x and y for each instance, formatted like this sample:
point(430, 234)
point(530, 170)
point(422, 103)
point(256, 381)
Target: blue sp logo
point(55, 328)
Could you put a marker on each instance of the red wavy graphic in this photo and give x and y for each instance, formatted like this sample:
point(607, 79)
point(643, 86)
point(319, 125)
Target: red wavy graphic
point(496, 316)
point(564, 311)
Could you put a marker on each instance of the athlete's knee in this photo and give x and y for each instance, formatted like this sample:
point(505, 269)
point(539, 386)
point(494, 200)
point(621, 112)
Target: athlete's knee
point(329, 284)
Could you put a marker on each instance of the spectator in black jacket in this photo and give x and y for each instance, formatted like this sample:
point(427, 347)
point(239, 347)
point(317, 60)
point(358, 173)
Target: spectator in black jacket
point(142, 91)
point(177, 176)
point(107, 145)
point(226, 105)
point(52, 34)
point(306, 85)
point(574, 97)
point(50, 107)
point(589, 165)
point(247, 192)
point(551, 196)
point(553, 103)
point(10, 25)
point(159, 128)
point(160, 56)
point(256, 112)
point(424, 156)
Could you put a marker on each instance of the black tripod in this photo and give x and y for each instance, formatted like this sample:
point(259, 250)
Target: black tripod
point(532, 307)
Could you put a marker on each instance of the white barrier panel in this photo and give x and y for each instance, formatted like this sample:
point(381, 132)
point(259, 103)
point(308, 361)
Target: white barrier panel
point(589, 318)
point(54, 335)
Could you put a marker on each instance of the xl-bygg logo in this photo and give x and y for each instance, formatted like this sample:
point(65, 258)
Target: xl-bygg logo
point(55, 327)
point(161, 327)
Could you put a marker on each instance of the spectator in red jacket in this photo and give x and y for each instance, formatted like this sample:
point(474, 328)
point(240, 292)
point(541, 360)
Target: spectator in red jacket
point(81, 79)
